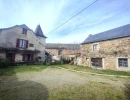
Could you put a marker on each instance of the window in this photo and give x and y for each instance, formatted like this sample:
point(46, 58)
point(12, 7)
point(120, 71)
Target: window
point(24, 31)
point(59, 52)
point(22, 43)
point(122, 62)
point(95, 47)
point(31, 45)
point(28, 57)
point(97, 62)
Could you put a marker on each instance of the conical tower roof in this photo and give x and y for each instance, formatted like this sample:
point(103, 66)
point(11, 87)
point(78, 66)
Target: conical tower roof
point(39, 32)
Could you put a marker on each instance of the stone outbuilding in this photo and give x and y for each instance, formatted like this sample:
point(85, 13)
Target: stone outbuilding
point(108, 50)
point(66, 51)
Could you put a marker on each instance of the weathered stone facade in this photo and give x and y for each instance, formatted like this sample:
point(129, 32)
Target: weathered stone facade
point(8, 41)
point(66, 52)
point(54, 52)
point(109, 51)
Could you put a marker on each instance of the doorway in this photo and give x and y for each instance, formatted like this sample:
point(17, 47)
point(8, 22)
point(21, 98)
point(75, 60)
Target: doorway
point(10, 57)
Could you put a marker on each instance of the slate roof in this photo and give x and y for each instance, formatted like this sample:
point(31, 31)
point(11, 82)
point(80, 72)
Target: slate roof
point(24, 26)
point(62, 46)
point(21, 26)
point(39, 32)
point(120, 32)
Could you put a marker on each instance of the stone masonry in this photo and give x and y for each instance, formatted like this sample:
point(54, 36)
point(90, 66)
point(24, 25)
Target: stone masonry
point(109, 51)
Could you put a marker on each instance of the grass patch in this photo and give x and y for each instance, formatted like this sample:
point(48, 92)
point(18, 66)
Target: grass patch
point(88, 69)
point(30, 92)
point(17, 69)
point(89, 91)
point(14, 89)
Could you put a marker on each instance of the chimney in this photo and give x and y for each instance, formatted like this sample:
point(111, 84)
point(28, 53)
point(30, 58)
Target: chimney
point(89, 35)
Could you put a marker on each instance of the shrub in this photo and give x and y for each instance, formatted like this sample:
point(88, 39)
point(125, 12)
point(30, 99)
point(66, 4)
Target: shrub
point(66, 61)
point(4, 63)
point(56, 62)
point(127, 91)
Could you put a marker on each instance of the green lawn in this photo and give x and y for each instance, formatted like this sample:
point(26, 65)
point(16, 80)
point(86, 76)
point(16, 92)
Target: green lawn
point(17, 69)
point(99, 71)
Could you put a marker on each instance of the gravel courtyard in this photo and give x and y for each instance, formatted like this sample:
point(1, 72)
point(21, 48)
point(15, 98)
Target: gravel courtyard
point(45, 84)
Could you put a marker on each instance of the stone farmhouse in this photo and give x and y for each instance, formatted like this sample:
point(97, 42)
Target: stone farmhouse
point(21, 44)
point(108, 50)
point(67, 51)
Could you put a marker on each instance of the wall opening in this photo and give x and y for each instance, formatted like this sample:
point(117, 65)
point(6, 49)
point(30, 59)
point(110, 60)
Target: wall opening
point(96, 62)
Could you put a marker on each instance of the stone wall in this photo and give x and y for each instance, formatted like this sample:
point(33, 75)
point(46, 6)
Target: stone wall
point(54, 52)
point(109, 51)
point(67, 52)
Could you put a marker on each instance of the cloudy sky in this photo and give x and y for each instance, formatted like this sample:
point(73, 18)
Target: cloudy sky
point(101, 16)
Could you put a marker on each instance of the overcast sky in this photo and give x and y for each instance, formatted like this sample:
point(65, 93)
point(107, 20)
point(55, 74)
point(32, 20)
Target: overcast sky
point(101, 16)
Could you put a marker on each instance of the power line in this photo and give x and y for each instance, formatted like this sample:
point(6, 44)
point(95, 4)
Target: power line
point(73, 16)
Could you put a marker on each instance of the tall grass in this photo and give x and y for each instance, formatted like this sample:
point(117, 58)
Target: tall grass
point(127, 91)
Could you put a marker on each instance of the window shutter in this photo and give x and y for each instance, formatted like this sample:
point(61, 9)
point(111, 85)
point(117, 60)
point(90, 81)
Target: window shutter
point(13, 57)
point(17, 43)
point(26, 43)
point(23, 57)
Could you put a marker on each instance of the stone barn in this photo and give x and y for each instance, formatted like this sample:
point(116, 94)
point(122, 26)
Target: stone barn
point(108, 50)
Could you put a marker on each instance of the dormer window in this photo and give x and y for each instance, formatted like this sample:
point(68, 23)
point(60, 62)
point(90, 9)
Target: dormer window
point(95, 47)
point(24, 31)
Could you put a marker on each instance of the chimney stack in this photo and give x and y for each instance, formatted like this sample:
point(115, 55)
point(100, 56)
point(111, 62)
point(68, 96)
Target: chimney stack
point(89, 35)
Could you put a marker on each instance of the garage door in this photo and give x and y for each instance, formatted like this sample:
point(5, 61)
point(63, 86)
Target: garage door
point(96, 62)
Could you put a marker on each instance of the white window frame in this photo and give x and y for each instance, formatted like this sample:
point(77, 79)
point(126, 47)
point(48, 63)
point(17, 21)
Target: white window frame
point(128, 60)
point(97, 47)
